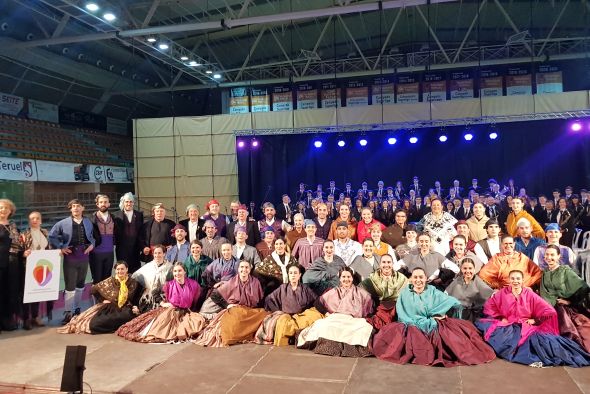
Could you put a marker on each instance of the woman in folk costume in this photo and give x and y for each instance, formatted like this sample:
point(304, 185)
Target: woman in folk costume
point(426, 334)
point(440, 226)
point(523, 328)
point(344, 331)
point(384, 285)
point(272, 271)
point(324, 271)
point(116, 297)
point(471, 291)
point(239, 315)
point(291, 307)
point(569, 295)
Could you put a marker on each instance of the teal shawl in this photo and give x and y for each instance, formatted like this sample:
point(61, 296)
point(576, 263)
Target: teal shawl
point(419, 309)
point(195, 269)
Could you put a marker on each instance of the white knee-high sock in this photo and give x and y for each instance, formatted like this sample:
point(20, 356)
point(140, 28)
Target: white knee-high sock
point(69, 300)
point(78, 298)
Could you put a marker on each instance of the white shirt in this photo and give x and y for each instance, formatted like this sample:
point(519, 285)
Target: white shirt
point(494, 246)
point(129, 215)
point(347, 251)
point(239, 250)
point(192, 230)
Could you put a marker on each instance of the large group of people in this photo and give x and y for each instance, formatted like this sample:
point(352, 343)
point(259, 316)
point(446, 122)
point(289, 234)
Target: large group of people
point(419, 281)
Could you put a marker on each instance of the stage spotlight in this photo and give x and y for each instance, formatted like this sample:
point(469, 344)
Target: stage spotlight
point(443, 138)
point(576, 126)
point(413, 140)
point(391, 141)
point(363, 142)
point(493, 135)
point(255, 143)
point(241, 144)
point(317, 143)
point(92, 7)
point(341, 143)
point(468, 136)
point(109, 16)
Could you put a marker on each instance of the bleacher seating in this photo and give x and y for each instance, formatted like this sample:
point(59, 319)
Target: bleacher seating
point(41, 140)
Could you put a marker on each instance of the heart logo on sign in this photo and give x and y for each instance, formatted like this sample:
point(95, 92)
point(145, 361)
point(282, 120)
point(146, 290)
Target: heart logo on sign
point(42, 272)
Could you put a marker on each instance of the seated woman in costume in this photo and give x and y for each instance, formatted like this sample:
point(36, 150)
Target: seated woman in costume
point(272, 271)
point(152, 277)
point(522, 328)
point(291, 307)
point(196, 263)
point(324, 271)
point(239, 315)
point(570, 295)
point(384, 285)
point(456, 255)
point(425, 335)
point(344, 331)
point(114, 307)
point(173, 321)
point(367, 263)
point(471, 291)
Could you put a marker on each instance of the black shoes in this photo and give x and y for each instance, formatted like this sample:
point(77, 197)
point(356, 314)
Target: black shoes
point(67, 318)
point(76, 311)
point(28, 324)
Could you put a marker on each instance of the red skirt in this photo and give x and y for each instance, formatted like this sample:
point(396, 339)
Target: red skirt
point(455, 342)
point(383, 316)
point(574, 325)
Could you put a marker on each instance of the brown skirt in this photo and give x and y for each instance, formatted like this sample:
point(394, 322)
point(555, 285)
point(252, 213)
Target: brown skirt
point(131, 330)
point(80, 324)
point(454, 342)
point(239, 324)
point(173, 325)
point(211, 335)
point(574, 325)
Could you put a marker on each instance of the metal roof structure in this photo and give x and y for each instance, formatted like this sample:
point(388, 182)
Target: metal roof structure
point(65, 53)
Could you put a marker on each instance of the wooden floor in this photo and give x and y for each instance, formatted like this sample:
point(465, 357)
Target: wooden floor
point(31, 361)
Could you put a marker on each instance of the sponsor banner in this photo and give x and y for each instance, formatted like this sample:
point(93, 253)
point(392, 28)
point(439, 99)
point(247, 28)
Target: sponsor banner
point(52, 171)
point(330, 95)
point(82, 119)
point(307, 96)
point(490, 83)
point(549, 79)
point(518, 81)
point(383, 91)
point(42, 275)
point(43, 111)
point(260, 100)
point(239, 102)
point(408, 89)
point(434, 87)
point(17, 169)
point(282, 98)
point(11, 105)
point(116, 126)
point(461, 85)
point(357, 94)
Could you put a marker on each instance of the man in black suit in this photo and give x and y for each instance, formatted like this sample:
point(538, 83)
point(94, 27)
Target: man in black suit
point(399, 191)
point(333, 190)
point(128, 224)
point(250, 225)
point(439, 190)
point(492, 209)
point(416, 186)
point(284, 210)
point(563, 217)
point(511, 189)
point(418, 211)
point(538, 209)
point(474, 186)
point(456, 211)
point(348, 190)
point(457, 189)
point(465, 212)
point(194, 224)
point(156, 231)
point(380, 193)
point(301, 193)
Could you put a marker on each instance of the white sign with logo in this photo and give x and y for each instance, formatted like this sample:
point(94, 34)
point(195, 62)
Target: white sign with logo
point(42, 274)
point(11, 105)
point(17, 169)
point(43, 111)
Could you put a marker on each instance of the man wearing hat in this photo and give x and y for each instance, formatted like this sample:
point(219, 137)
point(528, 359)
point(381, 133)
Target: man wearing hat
point(194, 224)
point(250, 225)
point(156, 231)
point(489, 246)
point(307, 249)
point(463, 229)
point(266, 246)
point(241, 250)
point(525, 242)
point(344, 247)
point(220, 219)
point(180, 250)
point(212, 242)
point(567, 256)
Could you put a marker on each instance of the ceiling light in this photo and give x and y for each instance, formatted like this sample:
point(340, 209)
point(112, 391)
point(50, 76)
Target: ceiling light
point(151, 39)
point(217, 76)
point(109, 16)
point(163, 46)
point(184, 58)
point(194, 63)
point(92, 7)
point(209, 72)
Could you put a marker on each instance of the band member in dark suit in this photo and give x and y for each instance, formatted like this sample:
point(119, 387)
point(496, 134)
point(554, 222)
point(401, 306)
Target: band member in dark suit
point(194, 224)
point(416, 186)
point(456, 188)
point(565, 219)
point(333, 190)
point(475, 187)
point(128, 224)
point(301, 193)
point(284, 210)
point(399, 191)
point(348, 190)
point(440, 192)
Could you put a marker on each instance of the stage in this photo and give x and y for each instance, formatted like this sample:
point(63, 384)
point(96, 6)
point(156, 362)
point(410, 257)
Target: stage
point(32, 362)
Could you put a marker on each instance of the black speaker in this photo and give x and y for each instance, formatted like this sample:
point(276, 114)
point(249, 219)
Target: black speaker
point(73, 373)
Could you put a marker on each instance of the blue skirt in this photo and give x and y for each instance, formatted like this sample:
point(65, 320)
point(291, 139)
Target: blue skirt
point(546, 349)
